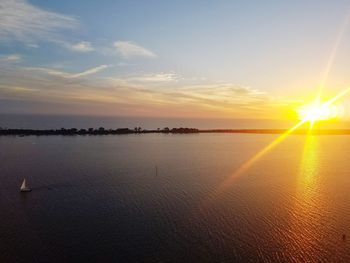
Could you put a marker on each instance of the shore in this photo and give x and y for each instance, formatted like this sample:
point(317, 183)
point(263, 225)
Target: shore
point(119, 131)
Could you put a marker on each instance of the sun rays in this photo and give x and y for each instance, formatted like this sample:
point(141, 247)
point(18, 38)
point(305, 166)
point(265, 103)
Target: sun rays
point(315, 111)
point(313, 116)
point(311, 113)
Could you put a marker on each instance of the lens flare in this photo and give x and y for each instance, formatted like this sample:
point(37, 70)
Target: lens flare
point(317, 111)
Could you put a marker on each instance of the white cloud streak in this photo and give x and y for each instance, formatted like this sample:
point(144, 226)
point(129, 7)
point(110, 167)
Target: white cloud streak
point(151, 79)
point(11, 58)
point(67, 75)
point(81, 47)
point(158, 77)
point(90, 71)
point(129, 49)
point(21, 21)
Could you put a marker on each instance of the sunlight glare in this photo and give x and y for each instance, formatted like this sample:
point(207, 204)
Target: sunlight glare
point(317, 111)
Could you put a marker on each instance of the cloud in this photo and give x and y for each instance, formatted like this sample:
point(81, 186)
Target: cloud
point(32, 45)
point(90, 71)
point(145, 79)
point(11, 58)
point(67, 75)
point(99, 96)
point(82, 47)
point(200, 98)
point(158, 77)
point(21, 21)
point(225, 95)
point(128, 49)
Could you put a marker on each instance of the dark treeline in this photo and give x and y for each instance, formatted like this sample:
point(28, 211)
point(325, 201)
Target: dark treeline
point(92, 131)
point(139, 130)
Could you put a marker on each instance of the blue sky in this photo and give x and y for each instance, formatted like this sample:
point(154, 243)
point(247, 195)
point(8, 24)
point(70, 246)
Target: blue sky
point(233, 59)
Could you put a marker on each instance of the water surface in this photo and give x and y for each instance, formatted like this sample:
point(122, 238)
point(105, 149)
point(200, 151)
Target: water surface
point(99, 199)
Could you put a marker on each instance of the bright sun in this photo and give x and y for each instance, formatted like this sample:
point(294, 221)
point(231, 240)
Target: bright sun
point(317, 111)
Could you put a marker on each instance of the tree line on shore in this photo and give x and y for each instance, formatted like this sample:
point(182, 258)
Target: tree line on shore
point(166, 130)
point(93, 131)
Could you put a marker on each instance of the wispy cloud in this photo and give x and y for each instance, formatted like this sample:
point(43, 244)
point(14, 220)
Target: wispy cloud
point(21, 21)
point(90, 71)
point(129, 49)
point(67, 75)
point(122, 96)
point(158, 77)
point(11, 58)
point(150, 78)
point(82, 47)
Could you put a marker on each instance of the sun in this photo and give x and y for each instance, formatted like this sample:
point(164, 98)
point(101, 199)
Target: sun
point(317, 111)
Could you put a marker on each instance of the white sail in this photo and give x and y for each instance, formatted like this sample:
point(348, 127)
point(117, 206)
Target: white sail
point(23, 186)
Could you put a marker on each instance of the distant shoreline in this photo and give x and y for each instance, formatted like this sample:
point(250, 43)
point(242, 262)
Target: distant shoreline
point(138, 130)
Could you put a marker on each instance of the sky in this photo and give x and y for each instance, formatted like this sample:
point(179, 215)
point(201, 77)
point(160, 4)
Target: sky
point(203, 59)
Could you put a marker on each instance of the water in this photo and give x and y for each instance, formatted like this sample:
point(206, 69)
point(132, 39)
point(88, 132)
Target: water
point(98, 199)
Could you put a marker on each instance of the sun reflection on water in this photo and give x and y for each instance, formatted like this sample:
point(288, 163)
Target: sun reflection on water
point(306, 224)
point(307, 179)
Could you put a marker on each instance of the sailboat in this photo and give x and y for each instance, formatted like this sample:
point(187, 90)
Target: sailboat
point(24, 187)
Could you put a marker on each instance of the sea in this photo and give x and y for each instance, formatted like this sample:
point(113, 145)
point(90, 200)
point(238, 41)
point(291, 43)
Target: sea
point(173, 197)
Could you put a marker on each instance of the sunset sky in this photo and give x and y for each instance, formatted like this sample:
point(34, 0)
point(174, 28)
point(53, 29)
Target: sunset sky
point(217, 59)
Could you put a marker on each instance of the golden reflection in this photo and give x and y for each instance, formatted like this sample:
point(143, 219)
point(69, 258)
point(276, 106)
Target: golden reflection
point(246, 165)
point(309, 165)
point(305, 223)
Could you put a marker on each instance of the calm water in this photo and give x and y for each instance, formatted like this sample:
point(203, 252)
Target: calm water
point(98, 199)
